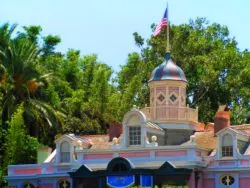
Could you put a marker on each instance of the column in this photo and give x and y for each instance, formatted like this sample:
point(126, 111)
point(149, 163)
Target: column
point(191, 181)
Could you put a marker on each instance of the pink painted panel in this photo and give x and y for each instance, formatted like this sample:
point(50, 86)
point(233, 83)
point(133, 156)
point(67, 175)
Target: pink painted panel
point(173, 112)
point(98, 156)
point(182, 112)
point(170, 153)
point(198, 153)
point(244, 182)
point(160, 89)
point(173, 89)
point(208, 183)
point(191, 181)
point(50, 169)
point(174, 105)
point(161, 113)
point(200, 181)
point(27, 171)
point(244, 162)
point(46, 186)
point(134, 154)
point(64, 169)
point(213, 163)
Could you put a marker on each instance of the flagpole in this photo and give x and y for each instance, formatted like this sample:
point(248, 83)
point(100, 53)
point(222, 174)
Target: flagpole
point(168, 47)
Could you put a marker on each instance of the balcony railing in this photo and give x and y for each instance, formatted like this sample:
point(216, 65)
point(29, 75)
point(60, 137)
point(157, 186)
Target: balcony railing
point(169, 113)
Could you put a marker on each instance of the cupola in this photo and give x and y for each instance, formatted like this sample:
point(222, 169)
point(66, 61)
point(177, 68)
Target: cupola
point(168, 70)
point(168, 93)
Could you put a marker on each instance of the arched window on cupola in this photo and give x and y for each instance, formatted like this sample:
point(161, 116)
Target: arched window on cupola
point(227, 146)
point(65, 152)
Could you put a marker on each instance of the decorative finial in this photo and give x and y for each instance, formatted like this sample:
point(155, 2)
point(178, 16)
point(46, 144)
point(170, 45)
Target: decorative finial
point(115, 141)
point(167, 56)
point(79, 142)
point(192, 139)
point(154, 138)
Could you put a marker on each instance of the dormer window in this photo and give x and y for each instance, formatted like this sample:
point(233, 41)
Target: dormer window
point(227, 146)
point(135, 135)
point(65, 152)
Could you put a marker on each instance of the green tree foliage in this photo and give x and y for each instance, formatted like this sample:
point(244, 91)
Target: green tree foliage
point(32, 33)
point(20, 147)
point(21, 82)
point(214, 67)
point(88, 103)
point(6, 31)
point(70, 93)
point(50, 43)
point(71, 68)
point(133, 83)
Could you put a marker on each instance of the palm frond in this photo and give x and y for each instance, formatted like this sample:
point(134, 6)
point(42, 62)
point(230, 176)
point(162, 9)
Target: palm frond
point(53, 117)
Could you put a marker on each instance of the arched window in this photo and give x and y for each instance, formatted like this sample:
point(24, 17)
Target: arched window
point(119, 164)
point(28, 185)
point(134, 135)
point(120, 167)
point(65, 152)
point(227, 180)
point(64, 184)
point(227, 146)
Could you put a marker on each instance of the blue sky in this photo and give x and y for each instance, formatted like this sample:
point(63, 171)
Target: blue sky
point(106, 27)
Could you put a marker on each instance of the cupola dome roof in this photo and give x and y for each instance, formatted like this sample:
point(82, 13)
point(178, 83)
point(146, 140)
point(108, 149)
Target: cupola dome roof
point(168, 70)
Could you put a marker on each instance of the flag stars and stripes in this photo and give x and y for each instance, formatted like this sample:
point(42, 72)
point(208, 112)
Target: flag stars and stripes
point(162, 24)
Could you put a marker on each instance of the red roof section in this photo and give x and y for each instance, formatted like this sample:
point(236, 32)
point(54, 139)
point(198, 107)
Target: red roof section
point(98, 141)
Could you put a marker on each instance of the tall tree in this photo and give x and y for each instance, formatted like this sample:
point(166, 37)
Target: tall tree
point(20, 147)
point(22, 82)
point(32, 33)
point(50, 43)
point(87, 106)
point(210, 60)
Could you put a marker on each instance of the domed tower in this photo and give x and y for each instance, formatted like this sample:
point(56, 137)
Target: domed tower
point(168, 101)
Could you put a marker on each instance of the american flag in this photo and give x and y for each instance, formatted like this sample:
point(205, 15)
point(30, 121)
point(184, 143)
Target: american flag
point(163, 23)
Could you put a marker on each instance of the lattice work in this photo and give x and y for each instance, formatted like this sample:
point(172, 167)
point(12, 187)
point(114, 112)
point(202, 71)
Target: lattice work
point(173, 90)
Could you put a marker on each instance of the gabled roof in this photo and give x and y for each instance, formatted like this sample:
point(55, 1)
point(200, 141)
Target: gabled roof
point(98, 141)
point(74, 139)
point(244, 127)
point(205, 140)
point(240, 131)
point(90, 141)
point(133, 112)
point(236, 130)
point(152, 125)
point(247, 152)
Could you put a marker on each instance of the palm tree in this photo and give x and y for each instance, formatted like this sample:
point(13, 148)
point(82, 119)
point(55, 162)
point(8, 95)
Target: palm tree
point(21, 82)
point(6, 31)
